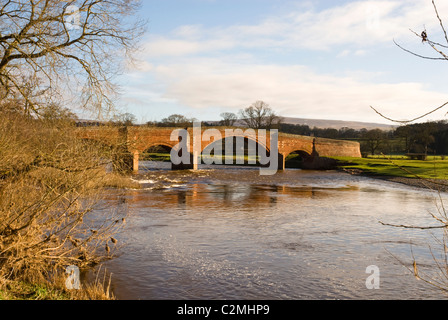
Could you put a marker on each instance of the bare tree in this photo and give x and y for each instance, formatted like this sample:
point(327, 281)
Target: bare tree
point(228, 119)
point(259, 116)
point(373, 139)
point(51, 49)
point(125, 119)
point(177, 120)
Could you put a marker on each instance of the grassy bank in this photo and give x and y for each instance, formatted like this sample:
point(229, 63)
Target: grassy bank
point(26, 291)
point(55, 289)
point(397, 166)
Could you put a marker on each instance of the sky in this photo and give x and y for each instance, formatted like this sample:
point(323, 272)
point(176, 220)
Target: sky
point(306, 59)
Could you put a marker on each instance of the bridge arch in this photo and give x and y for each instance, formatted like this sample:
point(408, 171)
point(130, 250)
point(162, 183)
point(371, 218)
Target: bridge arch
point(241, 149)
point(296, 158)
point(151, 153)
point(150, 146)
point(155, 148)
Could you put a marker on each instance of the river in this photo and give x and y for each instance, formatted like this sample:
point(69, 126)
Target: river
point(229, 233)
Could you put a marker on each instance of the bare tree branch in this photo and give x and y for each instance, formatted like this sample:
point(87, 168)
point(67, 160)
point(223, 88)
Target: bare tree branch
point(440, 21)
point(416, 54)
point(413, 227)
point(412, 120)
point(74, 47)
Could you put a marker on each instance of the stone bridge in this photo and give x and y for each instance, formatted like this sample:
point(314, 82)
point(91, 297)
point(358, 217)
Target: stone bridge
point(135, 140)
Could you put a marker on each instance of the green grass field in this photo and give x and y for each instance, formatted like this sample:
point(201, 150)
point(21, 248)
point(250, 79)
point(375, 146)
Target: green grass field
point(398, 166)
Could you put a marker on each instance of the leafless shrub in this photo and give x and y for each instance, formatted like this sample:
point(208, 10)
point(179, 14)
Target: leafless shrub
point(49, 183)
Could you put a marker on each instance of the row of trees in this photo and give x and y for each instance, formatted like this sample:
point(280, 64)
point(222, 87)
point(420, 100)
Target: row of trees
point(428, 137)
point(257, 116)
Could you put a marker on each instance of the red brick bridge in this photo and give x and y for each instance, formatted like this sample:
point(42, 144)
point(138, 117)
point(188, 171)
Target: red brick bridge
point(136, 140)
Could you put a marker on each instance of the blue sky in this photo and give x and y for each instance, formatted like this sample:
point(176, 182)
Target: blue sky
point(307, 59)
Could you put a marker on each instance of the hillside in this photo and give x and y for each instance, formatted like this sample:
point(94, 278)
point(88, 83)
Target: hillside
point(333, 124)
point(337, 124)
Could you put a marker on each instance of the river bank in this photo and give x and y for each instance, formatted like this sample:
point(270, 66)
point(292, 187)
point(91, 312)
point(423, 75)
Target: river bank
point(431, 184)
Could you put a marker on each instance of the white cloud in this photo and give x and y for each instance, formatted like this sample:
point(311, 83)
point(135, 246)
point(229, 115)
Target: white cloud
point(181, 63)
point(293, 91)
point(360, 52)
point(344, 53)
point(358, 24)
point(160, 46)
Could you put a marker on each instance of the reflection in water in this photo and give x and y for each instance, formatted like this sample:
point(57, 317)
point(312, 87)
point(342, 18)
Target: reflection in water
point(228, 233)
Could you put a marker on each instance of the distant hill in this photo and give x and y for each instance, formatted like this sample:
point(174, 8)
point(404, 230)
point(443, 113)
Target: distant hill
point(325, 124)
point(337, 124)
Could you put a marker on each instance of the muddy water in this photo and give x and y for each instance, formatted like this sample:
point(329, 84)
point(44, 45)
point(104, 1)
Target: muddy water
point(229, 233)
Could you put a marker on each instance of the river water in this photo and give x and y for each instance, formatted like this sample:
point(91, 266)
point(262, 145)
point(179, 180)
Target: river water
point(229, 233)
